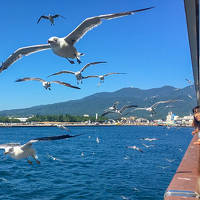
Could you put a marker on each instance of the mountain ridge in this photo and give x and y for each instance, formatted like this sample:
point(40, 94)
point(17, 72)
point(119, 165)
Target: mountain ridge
point(97, 102)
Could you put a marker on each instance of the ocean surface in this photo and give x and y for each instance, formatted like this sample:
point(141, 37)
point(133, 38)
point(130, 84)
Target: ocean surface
point(98, 165)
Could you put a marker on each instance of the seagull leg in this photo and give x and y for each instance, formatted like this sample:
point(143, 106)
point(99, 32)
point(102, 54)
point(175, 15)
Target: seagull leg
point(79, 62)
point(38, 162)
point(71, 61)
point(29, 162)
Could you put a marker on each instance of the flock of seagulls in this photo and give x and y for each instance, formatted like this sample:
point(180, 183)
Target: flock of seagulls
point(134, 147)
point(62, 47)
point(151, 109)
point(78, 74)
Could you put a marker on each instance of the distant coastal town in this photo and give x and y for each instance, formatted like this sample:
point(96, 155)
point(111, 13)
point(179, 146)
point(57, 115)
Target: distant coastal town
point(171, 120)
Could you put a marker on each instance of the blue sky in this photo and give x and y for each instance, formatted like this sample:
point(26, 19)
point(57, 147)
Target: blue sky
point(151, 47)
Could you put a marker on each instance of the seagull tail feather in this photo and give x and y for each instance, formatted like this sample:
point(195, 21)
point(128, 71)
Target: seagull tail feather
point(79, 55)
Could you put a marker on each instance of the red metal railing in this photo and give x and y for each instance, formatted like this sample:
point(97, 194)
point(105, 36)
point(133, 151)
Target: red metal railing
point(186, 181)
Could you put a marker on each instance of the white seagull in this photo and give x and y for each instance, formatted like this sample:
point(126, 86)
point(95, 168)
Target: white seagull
point(189, 96)
point(17, 151)
point(50, 18)
point(149, 139)
point(189, 81)
point(77, 74)
point(153, 107)
point(63, 127)
point(101, 77)
point(46, 84)
point(97, 140)
point(119, 111)
point(64, 47)
point(135, 148)
point(113, 107)
point(147, 146)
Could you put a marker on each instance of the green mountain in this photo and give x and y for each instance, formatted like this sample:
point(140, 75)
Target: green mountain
point(96, 103)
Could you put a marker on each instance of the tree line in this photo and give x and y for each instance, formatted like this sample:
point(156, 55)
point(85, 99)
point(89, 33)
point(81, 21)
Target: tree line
point(53, 118)
point(9, 120)
point(63, 118)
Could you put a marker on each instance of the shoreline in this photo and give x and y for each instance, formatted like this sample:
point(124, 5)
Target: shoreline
point(54, 124)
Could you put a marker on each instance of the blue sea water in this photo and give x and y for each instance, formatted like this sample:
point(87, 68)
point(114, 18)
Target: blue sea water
point(80, 168)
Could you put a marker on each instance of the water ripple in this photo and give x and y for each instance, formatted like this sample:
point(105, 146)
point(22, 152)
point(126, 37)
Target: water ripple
point(82, 168)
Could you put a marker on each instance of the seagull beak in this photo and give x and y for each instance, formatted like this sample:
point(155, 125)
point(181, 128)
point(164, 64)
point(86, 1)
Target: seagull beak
point(50, 41)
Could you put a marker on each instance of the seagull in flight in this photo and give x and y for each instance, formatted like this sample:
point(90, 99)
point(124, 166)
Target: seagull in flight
point(135, 148)
point(154, 106)
point(63, 127)
point(119, 111)
point(147, 146)
point(189, 81)
point(50, 18)
point(149, 139)
point(97, 140)
point(77, 74)
point(18, 151)
point(64, 47)
point(101, 77)
point(113, 107)
point(46, 84)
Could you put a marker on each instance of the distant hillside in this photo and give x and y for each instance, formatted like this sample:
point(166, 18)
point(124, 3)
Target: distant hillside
point(96, 103)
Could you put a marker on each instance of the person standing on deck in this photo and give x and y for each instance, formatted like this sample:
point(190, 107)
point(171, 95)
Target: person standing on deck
point(196, 123)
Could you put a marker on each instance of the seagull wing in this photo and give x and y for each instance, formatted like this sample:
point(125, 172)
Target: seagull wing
point(127, 106)
point(55, 16)
point(44, 17)
point(9, 145)
point(140, 109)
point(115, 104)
point(63, 127)
point(29, 79)
point(112, 73)
point(60, 137)
point(62, 72)
point(157, 103)
point(65, 84)
point(24, 51)
point(92, 76)
point(168, 101)
point(90, 23)
point(93, 63)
